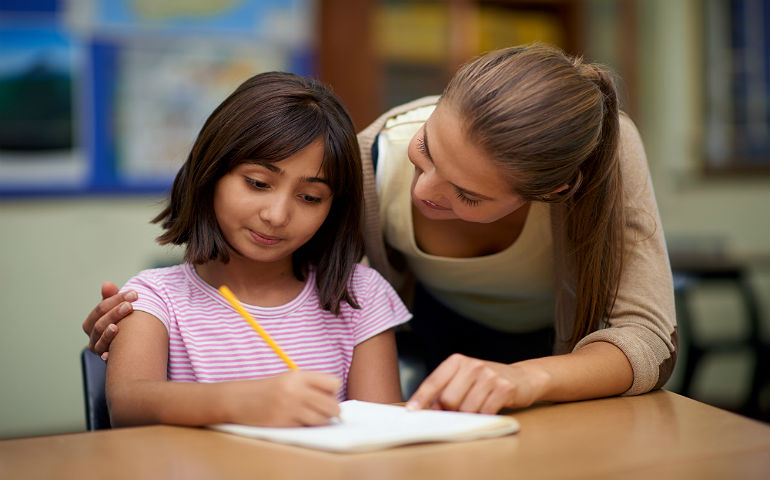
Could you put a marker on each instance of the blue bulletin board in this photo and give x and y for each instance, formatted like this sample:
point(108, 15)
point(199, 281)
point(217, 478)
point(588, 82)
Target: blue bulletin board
point(107, 96)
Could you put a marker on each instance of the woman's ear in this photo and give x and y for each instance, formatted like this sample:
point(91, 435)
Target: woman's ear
point(560, 189)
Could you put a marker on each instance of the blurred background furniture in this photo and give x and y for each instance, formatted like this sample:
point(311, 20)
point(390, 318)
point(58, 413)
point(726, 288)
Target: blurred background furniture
point(693, 271)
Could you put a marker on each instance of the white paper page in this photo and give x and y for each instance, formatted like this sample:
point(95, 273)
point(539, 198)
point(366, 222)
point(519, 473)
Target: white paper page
point(369, 426)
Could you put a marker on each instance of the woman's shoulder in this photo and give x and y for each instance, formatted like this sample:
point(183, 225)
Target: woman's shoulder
point(633, 159)
point(366, 136)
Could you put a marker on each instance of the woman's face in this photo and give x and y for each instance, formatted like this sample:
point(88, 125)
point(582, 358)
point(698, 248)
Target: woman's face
point(453, 178)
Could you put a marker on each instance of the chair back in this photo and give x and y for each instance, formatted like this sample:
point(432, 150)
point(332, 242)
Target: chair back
point(94, 370)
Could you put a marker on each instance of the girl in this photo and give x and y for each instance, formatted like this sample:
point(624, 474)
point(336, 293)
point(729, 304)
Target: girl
point(269, 204)
point(518, 213)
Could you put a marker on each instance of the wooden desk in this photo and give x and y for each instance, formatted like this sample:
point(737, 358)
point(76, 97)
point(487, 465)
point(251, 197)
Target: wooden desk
point(658, 435)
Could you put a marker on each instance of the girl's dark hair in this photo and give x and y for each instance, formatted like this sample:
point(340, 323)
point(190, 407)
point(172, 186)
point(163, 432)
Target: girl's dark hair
point(551, 120)
point(270, 117)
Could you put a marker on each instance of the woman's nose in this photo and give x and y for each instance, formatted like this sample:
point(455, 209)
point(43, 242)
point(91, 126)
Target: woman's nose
point(428, 186)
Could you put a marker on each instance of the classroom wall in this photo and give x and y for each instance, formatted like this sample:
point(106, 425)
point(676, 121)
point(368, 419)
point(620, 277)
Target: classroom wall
point(54, 255)
point(55, 252)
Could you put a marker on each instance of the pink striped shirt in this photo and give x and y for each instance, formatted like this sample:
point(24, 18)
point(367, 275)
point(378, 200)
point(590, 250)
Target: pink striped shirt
point(210, 342)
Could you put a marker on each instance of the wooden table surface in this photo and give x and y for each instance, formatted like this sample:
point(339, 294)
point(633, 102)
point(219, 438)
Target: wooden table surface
point(657, 435)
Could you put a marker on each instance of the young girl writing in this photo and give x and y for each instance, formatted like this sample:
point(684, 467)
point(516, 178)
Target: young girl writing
point(268, 203)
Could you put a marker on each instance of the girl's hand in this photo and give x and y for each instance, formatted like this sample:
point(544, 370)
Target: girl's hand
point(291, 399)
point(471, 385)
point(101, 323)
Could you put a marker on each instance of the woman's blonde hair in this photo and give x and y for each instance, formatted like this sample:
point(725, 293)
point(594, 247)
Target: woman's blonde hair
point(551, 120)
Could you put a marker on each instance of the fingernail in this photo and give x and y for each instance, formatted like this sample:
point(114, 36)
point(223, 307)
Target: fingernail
point(112, 328)
point(130, 296)
point(412, 406)
point(104, 356)
point(124, 308)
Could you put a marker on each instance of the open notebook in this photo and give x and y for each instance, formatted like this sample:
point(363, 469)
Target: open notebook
point(370, 426)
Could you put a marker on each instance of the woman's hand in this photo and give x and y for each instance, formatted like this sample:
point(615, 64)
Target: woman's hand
point(471, 385)
point(101, 323)
point(291, 399)
point(598, 369)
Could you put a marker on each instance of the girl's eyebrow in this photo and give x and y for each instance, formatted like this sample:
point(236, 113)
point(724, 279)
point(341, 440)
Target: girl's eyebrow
point(275, 169)
point(427, 154)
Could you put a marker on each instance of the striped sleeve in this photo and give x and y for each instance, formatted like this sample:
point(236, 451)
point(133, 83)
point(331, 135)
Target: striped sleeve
point(151, 296)
point(381, 307)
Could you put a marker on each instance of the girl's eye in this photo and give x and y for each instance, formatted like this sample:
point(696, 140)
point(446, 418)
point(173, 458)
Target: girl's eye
point(257, 184)
point(467, 200)
point(310, 199)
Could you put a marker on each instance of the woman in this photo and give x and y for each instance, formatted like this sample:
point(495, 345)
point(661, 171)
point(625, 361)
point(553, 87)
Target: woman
point(528, 225)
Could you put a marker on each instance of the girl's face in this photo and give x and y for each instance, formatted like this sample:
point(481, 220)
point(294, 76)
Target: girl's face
point(454, 179)
point(266, 211)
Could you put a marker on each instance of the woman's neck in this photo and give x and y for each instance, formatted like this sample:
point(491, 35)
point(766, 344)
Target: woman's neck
point(254, 283)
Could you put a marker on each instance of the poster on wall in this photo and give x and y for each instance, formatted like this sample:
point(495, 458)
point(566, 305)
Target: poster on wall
point(107, 96)
point(39, 76)
point(159, 97)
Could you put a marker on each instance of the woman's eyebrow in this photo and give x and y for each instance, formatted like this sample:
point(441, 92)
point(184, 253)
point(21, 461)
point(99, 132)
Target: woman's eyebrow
point(427, 154)
point(275, 169)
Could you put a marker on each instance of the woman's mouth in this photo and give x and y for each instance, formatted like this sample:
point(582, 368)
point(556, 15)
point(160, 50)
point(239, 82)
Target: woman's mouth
point(432, 205)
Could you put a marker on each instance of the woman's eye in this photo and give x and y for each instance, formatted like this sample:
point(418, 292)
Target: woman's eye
point(467, 200)
point(421, 146)
point(256, 183)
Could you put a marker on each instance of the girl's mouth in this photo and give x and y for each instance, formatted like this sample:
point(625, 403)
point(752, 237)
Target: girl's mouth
point(264, 239)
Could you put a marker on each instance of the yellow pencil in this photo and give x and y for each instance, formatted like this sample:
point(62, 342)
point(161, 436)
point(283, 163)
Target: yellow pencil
point(228, 294)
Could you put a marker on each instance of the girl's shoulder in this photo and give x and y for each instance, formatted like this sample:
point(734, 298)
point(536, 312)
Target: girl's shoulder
point(366, 281)
point(160, 279)
point(169, 273)
point(363, 275)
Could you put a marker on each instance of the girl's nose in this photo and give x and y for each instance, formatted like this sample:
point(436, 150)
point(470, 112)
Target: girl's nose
point(277, 212)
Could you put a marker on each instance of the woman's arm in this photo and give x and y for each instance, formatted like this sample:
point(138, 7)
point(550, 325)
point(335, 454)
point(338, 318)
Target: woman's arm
point(138, 392)
point(599, 369)
point(373, 372)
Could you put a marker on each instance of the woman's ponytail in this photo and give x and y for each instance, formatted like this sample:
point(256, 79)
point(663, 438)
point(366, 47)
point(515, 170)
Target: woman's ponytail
point(594, 219)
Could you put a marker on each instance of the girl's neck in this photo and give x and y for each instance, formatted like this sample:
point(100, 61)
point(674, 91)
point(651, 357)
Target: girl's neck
point(261, 284)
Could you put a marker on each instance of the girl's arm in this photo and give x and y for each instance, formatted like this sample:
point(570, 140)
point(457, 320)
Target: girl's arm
point(373, 372)
point(599, 369)
point(138, 392)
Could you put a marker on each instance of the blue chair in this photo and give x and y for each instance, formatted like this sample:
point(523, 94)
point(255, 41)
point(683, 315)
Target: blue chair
point(94, 370)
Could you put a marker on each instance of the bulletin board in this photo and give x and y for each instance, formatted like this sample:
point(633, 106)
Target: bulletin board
point(107, 96)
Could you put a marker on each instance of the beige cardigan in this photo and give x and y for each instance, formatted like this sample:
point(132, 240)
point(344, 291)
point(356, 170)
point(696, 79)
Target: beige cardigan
point(642, 323)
